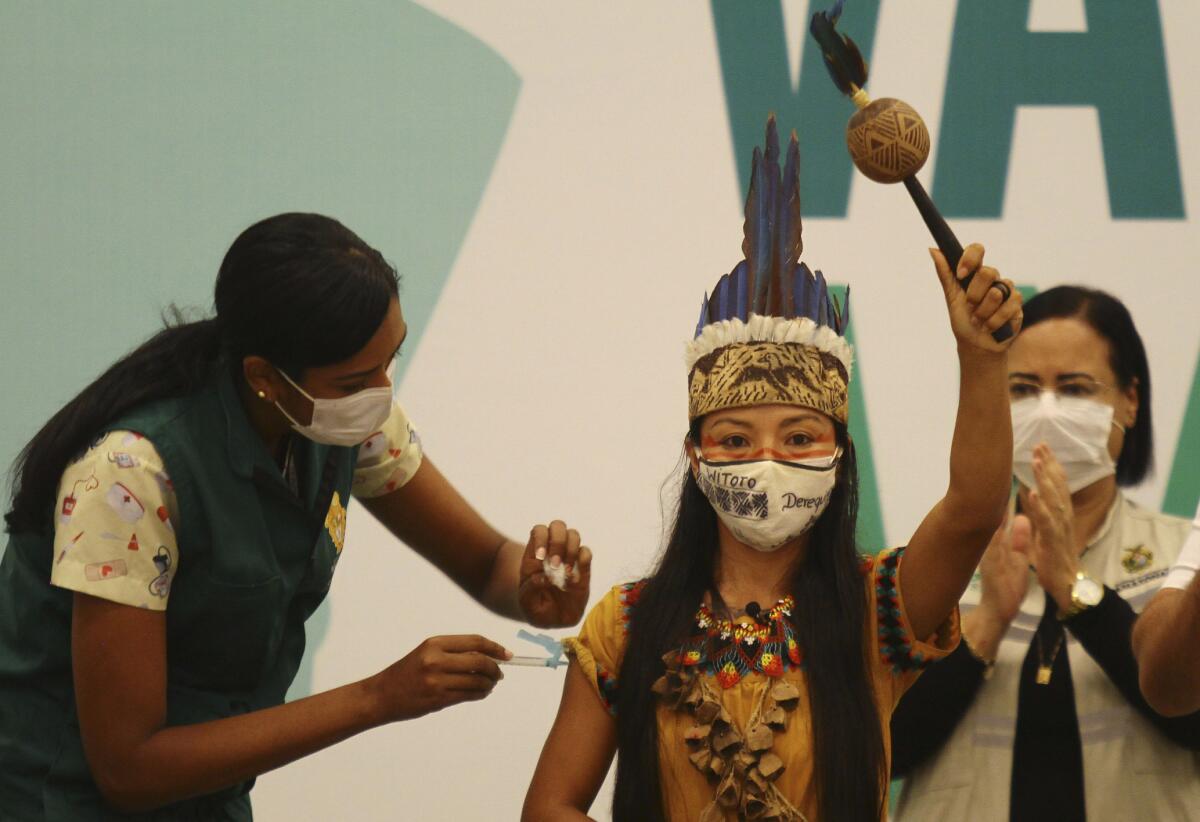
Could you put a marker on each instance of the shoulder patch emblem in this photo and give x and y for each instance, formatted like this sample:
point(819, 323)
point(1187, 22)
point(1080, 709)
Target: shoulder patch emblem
point(335, 522)
point(1136, 558)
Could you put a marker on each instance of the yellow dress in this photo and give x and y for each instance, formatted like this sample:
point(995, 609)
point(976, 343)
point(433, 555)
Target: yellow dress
point(737, 728)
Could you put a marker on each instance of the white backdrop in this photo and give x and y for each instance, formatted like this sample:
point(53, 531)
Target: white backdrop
point(548, 381)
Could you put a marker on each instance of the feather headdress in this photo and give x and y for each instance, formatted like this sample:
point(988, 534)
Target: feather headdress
point(771, 327)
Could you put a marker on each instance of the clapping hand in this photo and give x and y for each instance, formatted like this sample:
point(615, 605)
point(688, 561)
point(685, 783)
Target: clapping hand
point(1053, 550)
point(1003, 580)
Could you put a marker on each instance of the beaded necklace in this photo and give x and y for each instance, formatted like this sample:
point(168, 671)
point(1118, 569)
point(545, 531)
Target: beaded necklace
point(730, 650)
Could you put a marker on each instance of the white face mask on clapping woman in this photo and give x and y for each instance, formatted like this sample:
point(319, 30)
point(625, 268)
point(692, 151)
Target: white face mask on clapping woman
point(768, 503)
point(1075, 429)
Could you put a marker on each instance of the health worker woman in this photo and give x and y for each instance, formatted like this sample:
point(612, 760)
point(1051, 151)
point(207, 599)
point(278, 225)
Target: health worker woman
point(174, 525)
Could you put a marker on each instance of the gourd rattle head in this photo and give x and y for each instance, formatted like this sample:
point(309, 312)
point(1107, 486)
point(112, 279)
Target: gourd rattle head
point(888, 140)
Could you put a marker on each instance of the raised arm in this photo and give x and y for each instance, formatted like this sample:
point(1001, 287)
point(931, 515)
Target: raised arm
point(946, 548)
point(119, 661)
point(575, 757)
point(1164, 637)
point(430, 516)
point(1165, 644)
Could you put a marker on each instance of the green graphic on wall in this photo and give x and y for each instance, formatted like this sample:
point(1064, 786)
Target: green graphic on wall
point(1183, 488)
point(871, 536)
point(996, 65)
point(140, 137)
point(752, 43)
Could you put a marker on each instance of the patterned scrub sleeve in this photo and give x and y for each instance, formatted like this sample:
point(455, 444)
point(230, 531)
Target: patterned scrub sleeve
point(601, 642)
point(114, 529)
point(900, 653)
point(388, 458)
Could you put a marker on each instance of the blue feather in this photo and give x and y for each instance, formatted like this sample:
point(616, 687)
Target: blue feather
point(769, 304)
point(798, 290)
point(822, 300)
point(808, 293)
point(842, 58)
point(740, 295)
point(788, 242)
point(771, 280)
point(755, 230)
point(703, 315)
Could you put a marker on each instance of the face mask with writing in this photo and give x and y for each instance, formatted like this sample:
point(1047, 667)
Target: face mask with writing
point(345, 421)
point(768, 503)
point(1075, 429)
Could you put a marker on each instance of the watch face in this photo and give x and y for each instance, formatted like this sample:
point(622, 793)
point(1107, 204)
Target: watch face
point(1088, 592)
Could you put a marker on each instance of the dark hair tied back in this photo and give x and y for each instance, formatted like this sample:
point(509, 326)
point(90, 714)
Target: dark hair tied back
point(1108, 317)
point(300, 290)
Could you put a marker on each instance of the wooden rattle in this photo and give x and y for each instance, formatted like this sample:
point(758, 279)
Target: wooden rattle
point(887, 139)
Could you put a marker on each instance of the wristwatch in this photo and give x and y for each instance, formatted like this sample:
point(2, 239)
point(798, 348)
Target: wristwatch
point(1085, 593)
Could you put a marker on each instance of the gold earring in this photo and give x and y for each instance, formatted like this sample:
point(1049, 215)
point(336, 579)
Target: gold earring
point(262, 395)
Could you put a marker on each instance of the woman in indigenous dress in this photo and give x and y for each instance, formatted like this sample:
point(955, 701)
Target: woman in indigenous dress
point(752, 674)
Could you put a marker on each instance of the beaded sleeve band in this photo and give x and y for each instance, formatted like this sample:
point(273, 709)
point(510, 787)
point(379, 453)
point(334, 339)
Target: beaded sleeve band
point(897, 646)
point(771, 332)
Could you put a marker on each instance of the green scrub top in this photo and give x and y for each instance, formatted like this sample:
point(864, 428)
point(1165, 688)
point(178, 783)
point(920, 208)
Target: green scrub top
point(256, 559)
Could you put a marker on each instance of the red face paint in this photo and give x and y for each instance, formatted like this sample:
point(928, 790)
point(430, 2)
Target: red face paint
point(715, 449)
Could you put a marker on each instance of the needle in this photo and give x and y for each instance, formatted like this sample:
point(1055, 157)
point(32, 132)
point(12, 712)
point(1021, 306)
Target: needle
point(533, 661)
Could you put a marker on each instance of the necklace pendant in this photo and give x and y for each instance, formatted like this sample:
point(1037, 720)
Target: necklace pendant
point(1043, 674)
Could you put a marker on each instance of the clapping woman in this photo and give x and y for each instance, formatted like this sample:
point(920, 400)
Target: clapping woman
point(1037, 715)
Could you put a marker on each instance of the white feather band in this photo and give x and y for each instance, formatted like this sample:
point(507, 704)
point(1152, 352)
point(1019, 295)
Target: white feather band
point(769, 329)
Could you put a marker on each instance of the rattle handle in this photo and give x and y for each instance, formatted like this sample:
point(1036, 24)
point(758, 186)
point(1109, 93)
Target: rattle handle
point(950, 246)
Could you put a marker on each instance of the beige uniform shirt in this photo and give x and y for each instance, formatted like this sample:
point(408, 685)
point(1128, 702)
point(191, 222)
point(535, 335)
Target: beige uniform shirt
point(1131, 771)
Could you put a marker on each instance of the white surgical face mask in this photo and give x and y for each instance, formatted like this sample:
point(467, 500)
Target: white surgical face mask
point(348, 420)
point(1075, 429)
point(768, 503)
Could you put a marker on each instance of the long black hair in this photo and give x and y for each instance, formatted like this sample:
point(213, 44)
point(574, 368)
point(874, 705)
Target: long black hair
point(300, 290)
point(1108, 317)
point(830, 621)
